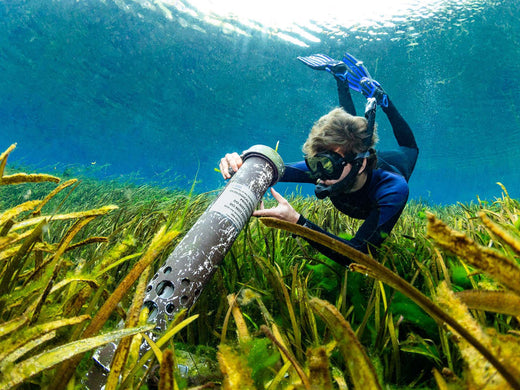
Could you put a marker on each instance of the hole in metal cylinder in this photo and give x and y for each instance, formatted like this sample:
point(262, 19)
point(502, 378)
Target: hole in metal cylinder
point(185, 282)
point(167, 270)
point(184, 300)
point(170, 307)
point(152, 310)
point(149, 288)
point(165, 289)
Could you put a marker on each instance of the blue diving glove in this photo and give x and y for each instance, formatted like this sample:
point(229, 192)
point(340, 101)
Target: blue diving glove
point(360, 80)
point(323, 62)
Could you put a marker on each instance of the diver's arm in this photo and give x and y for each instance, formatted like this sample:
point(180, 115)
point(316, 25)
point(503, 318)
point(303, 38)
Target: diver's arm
point(293, 172)
point(376, 227)
point(297, 173)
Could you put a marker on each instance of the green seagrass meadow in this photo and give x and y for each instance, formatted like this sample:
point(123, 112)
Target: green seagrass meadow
point(437, 307)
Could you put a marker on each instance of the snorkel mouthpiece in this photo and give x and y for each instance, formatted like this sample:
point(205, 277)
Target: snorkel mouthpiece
point(322, 191)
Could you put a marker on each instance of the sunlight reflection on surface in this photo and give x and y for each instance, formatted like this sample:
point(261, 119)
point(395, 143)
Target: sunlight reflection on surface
point(301, 22)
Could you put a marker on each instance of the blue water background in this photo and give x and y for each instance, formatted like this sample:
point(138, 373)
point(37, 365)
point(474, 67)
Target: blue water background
point(116, 89)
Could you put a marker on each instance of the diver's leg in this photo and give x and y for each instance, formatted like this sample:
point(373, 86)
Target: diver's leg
point(402, 131)
point(345, 98)
point(339, 70)
point(400, 161)
point(405, 158)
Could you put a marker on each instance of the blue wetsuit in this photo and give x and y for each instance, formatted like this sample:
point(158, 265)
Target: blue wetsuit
point(381, 200)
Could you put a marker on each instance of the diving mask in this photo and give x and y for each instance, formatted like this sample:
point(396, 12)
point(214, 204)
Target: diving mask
point(329, 165)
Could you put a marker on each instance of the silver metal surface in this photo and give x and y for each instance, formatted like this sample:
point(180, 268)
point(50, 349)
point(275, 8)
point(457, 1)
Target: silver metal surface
point(180, 281)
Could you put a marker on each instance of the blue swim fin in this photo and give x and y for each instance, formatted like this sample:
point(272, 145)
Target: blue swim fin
point(324, 62)
point(359, 80)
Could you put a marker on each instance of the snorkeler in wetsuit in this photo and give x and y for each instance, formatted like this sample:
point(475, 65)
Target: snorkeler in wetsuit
point(341, 161)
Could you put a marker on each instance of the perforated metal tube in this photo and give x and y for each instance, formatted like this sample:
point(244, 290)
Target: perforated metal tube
point(180, 281)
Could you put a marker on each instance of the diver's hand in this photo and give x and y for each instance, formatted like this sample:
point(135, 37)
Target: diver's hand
point(283, 211)
point(229, 164)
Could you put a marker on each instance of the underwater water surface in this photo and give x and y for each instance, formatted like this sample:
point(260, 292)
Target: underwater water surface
point(158, 91)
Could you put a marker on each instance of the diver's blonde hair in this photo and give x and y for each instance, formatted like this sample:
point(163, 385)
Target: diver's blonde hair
point(339, 128)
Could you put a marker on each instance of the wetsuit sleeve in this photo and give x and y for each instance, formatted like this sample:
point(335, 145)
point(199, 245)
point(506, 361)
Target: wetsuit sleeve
point(376, 227)
point(402, 131)
point(297, 173)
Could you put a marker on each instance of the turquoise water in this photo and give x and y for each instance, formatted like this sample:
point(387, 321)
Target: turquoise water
point(159, 91)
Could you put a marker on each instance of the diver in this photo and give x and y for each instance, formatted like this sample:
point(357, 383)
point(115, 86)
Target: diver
point(341, 161)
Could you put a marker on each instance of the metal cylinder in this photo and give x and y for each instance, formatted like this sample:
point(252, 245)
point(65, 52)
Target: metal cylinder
point(180, 281)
